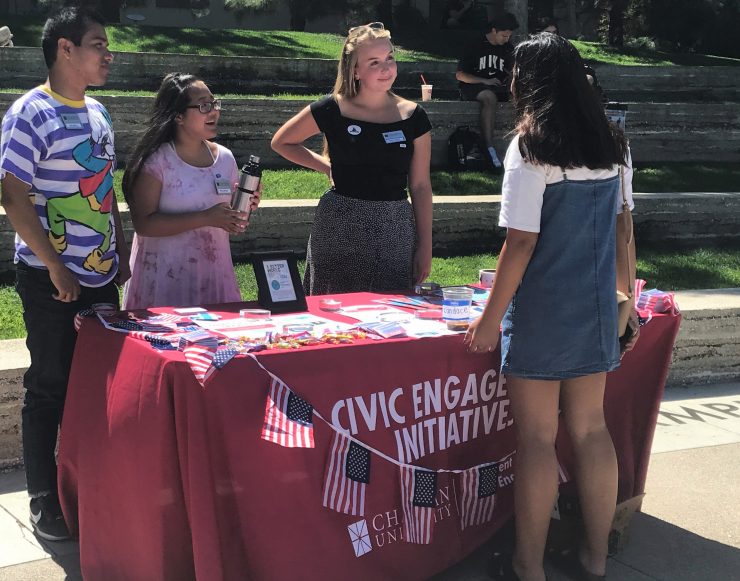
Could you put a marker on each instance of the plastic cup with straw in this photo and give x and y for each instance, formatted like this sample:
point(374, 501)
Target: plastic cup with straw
point(426, 89)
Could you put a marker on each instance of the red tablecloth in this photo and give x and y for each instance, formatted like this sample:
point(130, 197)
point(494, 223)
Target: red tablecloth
point(164, 479)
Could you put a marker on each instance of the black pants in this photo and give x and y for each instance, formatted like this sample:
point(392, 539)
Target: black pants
point(51, 342)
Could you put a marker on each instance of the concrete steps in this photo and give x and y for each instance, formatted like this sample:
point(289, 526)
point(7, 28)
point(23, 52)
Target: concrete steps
point(24, 67)
point(665, 131)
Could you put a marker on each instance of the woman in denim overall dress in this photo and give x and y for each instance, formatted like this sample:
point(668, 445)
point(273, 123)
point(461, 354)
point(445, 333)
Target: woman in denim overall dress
point(554, 297)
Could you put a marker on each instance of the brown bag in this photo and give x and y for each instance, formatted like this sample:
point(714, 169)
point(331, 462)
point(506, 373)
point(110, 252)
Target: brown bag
point(626, 261)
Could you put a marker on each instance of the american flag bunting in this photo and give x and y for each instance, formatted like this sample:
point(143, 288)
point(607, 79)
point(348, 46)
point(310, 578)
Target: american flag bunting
point(478, 487)
point(418, 493)
point(222, 356)
point(347, 474)
point(288, 418)
point(199, 349)
point(81, 316)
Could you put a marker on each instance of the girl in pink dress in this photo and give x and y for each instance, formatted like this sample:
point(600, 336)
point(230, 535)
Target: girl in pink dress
point(178, 186)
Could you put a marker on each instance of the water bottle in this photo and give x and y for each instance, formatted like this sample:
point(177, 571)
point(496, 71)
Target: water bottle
point(249, 181)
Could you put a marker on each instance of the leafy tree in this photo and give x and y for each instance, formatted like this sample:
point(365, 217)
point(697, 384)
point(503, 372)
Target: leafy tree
point(616, 22)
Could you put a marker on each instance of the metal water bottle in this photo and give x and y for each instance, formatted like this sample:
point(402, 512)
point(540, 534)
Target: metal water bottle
point(249, 181)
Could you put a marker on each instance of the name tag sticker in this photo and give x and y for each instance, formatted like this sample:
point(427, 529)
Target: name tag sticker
point(223, 186)
point(394, 136)
point(71, 121)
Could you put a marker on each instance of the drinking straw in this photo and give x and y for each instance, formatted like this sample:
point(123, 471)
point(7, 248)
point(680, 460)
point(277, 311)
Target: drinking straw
point(423, 80)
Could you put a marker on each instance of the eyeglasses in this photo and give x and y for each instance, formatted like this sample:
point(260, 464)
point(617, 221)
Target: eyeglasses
point(207, 107)
point(373, 25)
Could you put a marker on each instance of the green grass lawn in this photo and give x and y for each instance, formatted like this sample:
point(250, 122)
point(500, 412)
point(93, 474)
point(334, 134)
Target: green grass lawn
point(666, 177)
point(704, 268)
point(420, 46)
point(307, 184)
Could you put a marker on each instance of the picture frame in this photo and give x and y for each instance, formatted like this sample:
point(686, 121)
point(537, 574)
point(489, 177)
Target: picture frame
point(617, 113)
point(279, 286)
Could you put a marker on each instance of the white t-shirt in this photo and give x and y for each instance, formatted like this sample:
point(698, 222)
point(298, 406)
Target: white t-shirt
point(525, 182)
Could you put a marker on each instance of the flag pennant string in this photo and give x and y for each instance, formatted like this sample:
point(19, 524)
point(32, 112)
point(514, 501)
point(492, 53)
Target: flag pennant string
point(373, 451)
point(220, 358)
point(288, 418)
point(478, 487)
point(418, 494)
point(347, 474)
point(81, 316)
point(199, 349)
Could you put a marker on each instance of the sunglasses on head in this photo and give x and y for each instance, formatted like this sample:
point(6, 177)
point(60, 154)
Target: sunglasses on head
point(373, 25)
point(207, 107)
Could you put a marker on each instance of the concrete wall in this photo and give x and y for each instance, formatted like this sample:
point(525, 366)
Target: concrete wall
point(247, 125)
point(708, 344)
point(14, 360)
point(467, 224)
point(24, 68)
point(658, 132)
point(707, 351)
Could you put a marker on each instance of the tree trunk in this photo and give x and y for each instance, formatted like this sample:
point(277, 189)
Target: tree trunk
point(616, 23)
point(298, 14)
point(572, 19)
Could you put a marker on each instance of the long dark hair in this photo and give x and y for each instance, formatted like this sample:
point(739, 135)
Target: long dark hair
point(172, 100)
point(559, 119)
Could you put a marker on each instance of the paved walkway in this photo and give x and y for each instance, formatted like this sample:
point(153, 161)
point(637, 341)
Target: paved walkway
point(689, 529)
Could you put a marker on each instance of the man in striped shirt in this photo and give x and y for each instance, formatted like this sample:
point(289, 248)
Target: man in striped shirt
point(56, 171)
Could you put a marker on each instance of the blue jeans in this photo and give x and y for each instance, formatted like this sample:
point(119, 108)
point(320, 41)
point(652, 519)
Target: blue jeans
point(51, 342)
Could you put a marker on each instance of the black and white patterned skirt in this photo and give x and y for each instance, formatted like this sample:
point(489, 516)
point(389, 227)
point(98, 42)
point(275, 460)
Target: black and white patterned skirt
point(360, 245)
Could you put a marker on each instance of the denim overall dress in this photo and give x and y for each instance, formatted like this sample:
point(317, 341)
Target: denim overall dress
point(562, 321)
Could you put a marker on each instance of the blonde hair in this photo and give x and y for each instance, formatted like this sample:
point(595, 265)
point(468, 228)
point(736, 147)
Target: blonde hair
point(346, 85)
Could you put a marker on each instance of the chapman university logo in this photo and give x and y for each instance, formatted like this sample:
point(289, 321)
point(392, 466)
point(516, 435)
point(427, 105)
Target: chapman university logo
point(360, 537)
point(354, 130)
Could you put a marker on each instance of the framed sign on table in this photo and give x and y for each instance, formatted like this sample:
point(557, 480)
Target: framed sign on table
point(279, 286)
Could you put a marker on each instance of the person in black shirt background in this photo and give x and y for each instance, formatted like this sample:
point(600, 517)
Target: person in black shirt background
point(484, 71)
point(366, 236)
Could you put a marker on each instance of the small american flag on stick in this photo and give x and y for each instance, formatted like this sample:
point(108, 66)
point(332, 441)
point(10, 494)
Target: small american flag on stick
point(288, 418)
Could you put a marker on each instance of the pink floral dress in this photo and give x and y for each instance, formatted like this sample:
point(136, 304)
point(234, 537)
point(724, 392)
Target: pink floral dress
point(194, 267)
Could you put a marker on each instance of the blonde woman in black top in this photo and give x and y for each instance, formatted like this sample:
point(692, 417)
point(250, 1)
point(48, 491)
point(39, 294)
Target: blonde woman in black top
point(366, 236)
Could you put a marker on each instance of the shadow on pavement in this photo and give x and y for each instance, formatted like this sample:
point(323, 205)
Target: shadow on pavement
point(656, 551)
point(663, 551)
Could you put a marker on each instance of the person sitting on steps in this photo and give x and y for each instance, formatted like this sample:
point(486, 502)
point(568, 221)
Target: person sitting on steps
point(483, 74)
